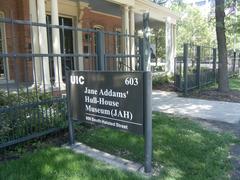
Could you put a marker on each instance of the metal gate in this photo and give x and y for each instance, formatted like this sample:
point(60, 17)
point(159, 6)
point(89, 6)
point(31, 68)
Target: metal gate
point(33, 90)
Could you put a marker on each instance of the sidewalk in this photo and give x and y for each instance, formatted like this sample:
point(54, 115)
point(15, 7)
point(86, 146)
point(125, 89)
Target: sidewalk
point(169, 102)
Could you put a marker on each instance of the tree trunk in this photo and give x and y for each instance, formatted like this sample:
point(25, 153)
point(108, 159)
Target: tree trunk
point(223, 85)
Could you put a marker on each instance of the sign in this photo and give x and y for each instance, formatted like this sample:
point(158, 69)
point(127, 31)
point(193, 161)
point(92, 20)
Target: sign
point(113, 99)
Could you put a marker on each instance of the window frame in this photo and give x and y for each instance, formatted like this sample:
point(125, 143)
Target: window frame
point(4, 47)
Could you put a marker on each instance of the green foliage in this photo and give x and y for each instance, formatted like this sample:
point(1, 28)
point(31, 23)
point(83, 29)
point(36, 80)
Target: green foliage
point(159, 40)
point(27, 113)
point(232, 26)
point(234, 83)
point(192, 27)
point(160, 80)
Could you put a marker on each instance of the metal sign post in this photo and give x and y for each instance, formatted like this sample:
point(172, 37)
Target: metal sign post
point(70, 123)
point(147, 96)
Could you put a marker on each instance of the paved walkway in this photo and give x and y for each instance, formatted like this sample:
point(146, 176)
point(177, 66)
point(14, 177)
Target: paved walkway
point(169, 102)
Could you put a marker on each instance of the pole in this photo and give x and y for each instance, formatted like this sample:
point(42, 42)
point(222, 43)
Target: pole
point(70, 123)
point(234, 61)
point(146, 43)
point(147, 115)
point(185, 68)
point(235, 28)
point(198, 66)
point(147, 96)
point(100, 51)
point(214, 64)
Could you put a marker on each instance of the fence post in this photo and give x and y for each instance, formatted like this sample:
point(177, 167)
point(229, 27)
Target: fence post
point(100, 50)
point(198, 66)
point(214, 63)
point(70, 123)
point(234, 61)
point(141, 52)
point(185, 67)
point(147, 113)
point(239, 64)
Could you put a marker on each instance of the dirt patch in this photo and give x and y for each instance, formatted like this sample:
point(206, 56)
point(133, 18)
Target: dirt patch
point(17, 151)
point(165, 87)
point(213, 94)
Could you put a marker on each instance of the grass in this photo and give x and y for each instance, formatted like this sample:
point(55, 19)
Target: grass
point(234, 83)
point(57, 164)
point(182, 147)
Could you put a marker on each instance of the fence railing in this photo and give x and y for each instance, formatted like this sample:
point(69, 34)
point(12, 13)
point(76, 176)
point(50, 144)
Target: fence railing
point(33, 68)
point(198, 67)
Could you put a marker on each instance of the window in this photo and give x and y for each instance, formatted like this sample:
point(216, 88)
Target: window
point(2, 48)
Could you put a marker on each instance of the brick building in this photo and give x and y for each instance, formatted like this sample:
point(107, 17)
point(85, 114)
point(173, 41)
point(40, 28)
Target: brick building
point(113, 16)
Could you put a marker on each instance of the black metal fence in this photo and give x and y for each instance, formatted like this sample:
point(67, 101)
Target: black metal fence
point(32, 72)
point(198, 67)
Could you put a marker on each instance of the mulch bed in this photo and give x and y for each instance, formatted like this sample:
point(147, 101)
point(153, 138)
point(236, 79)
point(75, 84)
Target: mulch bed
point(214, 94)
point(16, 151)
point(165, 87)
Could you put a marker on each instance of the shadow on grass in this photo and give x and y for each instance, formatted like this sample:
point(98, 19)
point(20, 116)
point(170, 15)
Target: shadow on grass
point(186, 150)
point(56, 163)
point(234, 83)
point(183, 148)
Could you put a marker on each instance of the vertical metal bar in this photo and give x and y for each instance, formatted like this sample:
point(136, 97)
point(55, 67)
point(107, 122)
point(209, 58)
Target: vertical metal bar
point(100, 50)
point(180, 70)
point(7, 71)
point(131, 53)
point(50, 50)
point(70, 123)
point(36, 117)
point(214, 64)
point(64, 48)
point(141, 51)
point(175, 72)
point(234, 61)
point(147, 114)
point(239, 64)
point(147, 111)
point(146, 43)
point(185, 68)
point(198, 66)
point(15, 115)
point(49, 110)
point(13, 33)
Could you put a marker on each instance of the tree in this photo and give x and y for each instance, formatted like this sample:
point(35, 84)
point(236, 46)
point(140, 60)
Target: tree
point(192, 27)
point(223, 85)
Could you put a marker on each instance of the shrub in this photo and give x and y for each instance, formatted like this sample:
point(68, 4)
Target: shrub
point(161, 80)
point(26, 113)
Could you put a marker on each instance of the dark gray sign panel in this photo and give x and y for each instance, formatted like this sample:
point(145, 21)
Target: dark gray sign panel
point(113, 99)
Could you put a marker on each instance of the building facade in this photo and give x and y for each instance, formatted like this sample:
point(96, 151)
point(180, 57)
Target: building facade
point(123, 16)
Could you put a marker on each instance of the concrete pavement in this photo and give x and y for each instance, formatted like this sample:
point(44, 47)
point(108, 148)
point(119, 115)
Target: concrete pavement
point(169, 102)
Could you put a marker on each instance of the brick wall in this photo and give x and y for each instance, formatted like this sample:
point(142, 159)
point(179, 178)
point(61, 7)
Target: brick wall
point(109, 23)
point(17, 36)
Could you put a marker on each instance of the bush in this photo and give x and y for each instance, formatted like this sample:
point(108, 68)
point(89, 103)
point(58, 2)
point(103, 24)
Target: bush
point(23, 114)
point(161, 80)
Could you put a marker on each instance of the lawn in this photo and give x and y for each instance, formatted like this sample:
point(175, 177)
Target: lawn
point(234, 83)
point(182, 148)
